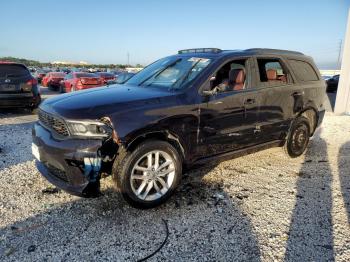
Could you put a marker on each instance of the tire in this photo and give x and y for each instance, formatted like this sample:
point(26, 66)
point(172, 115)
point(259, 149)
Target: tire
point(61, 89)
point(160, 183)
point(298, 137)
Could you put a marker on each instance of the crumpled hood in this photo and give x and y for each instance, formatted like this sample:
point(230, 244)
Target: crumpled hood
point(97, 102)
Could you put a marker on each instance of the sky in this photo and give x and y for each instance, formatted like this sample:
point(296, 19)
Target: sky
point(105, 31)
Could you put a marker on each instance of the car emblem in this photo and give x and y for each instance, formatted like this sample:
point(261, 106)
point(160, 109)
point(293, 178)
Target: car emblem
point(7, 80)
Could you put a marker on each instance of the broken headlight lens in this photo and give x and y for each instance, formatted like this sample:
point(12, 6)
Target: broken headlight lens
point(90, 129)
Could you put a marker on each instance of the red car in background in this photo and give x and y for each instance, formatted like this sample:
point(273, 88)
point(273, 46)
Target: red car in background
point(106, 77)
point(53, 79)
point(40, 74)
point(79, 80)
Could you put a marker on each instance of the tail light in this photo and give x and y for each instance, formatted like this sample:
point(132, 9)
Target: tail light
point(32, 82)
point(29, 85)
point(80, 84)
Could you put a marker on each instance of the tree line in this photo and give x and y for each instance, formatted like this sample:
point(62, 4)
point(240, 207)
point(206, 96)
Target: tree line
point(34, 63)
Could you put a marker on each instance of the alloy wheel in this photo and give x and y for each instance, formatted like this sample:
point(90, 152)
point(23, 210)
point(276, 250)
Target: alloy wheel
point(152, 175)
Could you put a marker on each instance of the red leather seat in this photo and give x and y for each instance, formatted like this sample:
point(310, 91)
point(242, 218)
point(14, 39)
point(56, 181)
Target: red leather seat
point(236, 79)
point(271, 75)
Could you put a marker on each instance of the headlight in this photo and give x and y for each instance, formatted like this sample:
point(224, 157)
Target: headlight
point(89, 129)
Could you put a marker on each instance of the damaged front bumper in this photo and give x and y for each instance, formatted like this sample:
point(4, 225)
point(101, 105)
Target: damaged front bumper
point(73, 165)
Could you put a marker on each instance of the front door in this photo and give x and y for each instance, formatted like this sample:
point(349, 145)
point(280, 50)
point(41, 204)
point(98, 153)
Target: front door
point(228, 118)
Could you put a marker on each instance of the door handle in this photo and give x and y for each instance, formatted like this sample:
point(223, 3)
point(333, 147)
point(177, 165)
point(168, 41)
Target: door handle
point(298, 93)
point(249, 101)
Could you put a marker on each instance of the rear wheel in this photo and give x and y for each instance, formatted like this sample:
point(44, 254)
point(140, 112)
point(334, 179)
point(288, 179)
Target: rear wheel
point(61, 89)
point(149, 175)
point(298, 137)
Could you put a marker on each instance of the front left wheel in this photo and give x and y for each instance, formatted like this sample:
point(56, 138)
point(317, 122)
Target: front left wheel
point(149, 175)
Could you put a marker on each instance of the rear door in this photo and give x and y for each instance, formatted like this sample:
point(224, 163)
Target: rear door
point(280, 97)
point(14, 78)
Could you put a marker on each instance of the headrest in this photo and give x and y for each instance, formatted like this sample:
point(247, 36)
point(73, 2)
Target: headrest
point(271, 74)
point(237, 76)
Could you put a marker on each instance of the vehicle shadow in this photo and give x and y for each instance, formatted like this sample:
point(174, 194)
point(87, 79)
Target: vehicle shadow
point(205, 224)
point(14, 112)
point(15, 144)
point(344, 175)
point(311, 231)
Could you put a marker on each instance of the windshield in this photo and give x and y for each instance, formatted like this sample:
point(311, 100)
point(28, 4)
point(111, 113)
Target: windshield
point(78, 75)
point(57, 74)
point(170, 72)
point(12, 70)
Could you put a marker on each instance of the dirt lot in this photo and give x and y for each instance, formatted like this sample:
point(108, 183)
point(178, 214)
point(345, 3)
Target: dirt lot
point(263, 206)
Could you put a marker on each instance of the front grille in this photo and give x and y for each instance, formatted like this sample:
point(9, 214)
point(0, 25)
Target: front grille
point(52, 122)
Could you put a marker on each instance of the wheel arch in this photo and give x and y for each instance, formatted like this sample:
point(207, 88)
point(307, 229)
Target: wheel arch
point(311, 114)
point(164, 135)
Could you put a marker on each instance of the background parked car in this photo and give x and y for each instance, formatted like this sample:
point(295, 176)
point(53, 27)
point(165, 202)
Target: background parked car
point(53, 79)
point(39, 75)
point(106, 77)
point(122, 78)
point(18, 88)
point(332, 83)
point(78, 81)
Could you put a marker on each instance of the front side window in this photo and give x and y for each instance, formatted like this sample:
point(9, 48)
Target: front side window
point(170, 72)
point(271, 71)
point(230, 77)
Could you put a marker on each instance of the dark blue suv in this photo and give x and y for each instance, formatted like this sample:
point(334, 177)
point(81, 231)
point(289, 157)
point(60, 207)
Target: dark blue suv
point(185, 109)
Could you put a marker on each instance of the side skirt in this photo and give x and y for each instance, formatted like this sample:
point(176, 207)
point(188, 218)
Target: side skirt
point(236, 153)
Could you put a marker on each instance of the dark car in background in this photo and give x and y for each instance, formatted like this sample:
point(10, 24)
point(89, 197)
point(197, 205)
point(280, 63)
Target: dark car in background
point(123, 77)
point(76, 81)
point(106, 78)
point(18, 88)
point(53, 79)
point(332, 83)
point(191, 108)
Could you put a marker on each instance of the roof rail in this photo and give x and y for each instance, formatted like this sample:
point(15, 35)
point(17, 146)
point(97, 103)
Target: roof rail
point(200, 50)
point(274, 51)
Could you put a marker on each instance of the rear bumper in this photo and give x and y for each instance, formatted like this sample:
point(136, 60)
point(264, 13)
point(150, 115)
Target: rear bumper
point(62, 161)
point(19, 100)
point(56, 84)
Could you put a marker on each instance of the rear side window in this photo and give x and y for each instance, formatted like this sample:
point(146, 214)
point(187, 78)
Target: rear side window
point(272, 72)
point(303, 71)
point(8, 70)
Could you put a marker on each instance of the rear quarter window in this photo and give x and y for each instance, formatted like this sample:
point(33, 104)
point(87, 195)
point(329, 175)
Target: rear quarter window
point(8, 70)
point(303, 70)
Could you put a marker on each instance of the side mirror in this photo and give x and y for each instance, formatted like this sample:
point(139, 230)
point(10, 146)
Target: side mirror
point(210, 92)
point(212, 82)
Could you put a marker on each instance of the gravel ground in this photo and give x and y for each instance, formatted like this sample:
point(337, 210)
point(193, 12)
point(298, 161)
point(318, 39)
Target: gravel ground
point(260, 207)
